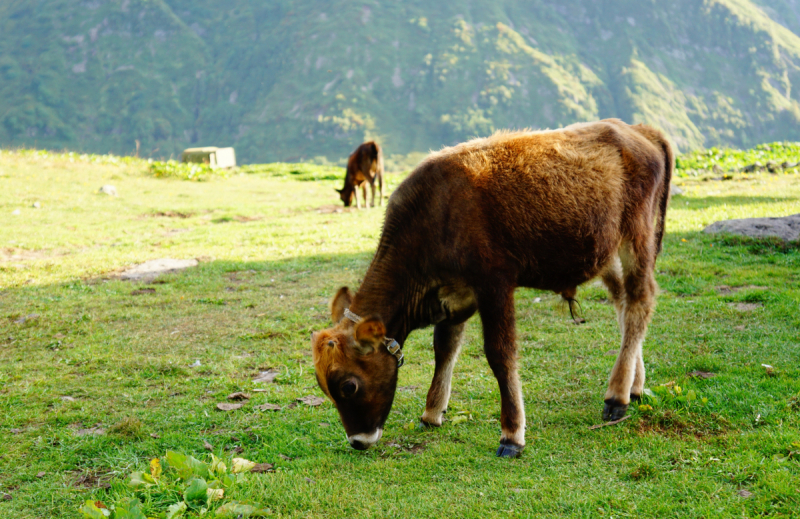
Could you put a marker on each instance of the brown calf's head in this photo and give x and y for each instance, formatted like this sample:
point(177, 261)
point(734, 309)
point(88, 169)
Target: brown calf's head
point(356, 371)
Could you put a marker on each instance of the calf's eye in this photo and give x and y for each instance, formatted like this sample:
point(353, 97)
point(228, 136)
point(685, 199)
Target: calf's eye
point(349, 388)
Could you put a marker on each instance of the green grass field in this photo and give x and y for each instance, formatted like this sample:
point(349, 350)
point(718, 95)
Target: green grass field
point(98, 375)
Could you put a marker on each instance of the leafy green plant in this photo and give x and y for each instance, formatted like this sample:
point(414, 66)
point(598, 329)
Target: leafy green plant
point(179, 485)
point(673, 396)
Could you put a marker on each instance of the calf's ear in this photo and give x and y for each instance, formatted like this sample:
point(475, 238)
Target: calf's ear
point(369, 332)
point(340, 301)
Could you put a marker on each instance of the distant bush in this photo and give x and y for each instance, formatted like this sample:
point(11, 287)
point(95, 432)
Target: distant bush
point(175, 169)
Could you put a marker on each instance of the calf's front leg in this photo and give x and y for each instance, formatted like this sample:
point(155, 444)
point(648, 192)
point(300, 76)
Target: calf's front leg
point(447, 340)
point(499, 335)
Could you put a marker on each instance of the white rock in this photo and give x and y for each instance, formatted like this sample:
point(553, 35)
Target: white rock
point(675, 190)
point(16, 212)
point(108, 190)
point(37, 205)
point(150, 270)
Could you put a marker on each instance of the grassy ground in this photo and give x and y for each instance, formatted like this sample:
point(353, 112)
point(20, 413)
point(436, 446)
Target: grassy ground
point(98, 376)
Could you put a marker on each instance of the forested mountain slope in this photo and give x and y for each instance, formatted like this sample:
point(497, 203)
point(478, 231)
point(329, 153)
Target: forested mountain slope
point(296, 79)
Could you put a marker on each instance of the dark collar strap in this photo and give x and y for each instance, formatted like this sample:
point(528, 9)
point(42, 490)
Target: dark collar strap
point(392, 345)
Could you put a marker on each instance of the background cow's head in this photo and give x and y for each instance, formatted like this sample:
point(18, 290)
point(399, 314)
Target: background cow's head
point(356, 371)
point(347, 193)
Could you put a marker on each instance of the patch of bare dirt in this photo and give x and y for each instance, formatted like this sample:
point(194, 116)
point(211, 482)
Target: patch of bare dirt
point(670, 423)
point(171, 214)
point(411, 448)
point(746, 307)
point(237, 218)
point(702, 374)
point(333, 209)
point(92, 479)
point(12, 254)
point(725, 289)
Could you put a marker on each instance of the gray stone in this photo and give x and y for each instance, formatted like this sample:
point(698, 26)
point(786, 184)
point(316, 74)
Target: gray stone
point(675, 190)
point(108, 190)
point(786, 228)
point(150, 270)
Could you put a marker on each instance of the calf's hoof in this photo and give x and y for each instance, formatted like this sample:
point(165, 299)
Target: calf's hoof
point(509, 450)
point(614, 410)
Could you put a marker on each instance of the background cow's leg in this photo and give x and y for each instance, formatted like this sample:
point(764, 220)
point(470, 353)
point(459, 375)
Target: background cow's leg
point(380, 186)
point(499, 336)
point(627, 375)
point(372, 196)
point(364, 194)
point(446, 346)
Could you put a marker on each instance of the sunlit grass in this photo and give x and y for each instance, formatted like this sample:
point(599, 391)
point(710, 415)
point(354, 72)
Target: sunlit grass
point(79, 352)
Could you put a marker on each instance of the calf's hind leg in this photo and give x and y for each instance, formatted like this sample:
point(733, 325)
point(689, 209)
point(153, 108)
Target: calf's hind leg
point(626, 381)
point(447, 341)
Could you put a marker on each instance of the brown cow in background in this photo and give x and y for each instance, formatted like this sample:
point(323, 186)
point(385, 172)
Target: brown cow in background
point(364, 165)
point(548, 210)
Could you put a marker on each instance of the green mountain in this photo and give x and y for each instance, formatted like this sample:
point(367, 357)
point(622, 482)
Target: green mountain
point(293, 80)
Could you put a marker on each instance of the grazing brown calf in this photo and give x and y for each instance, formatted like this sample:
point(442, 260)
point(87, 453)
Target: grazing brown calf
point(548, 210)
point(364, 166)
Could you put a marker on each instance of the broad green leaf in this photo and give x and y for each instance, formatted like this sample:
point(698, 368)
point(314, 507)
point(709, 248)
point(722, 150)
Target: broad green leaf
point(649, 392)
point(141, 479)
point(176, 510)
point(214, 494)
point(242, 465)
point(91, 511)
point(196, 491)
point(691, 395)
point(186, 466)
point(129, 508)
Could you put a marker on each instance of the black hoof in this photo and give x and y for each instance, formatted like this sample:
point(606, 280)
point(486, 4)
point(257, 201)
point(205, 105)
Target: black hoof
point(509, 450)
point(613, 410)
point(636, 398)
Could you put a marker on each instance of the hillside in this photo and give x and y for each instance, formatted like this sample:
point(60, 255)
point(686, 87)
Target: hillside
point(295, 80)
